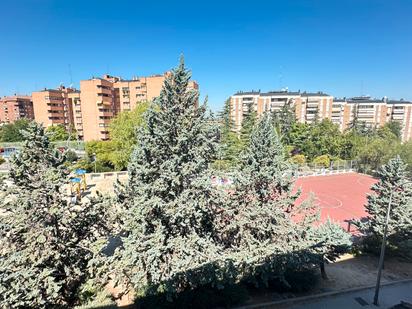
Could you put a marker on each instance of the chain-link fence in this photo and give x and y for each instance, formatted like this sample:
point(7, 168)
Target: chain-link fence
point(335, 167)
point(75, 145)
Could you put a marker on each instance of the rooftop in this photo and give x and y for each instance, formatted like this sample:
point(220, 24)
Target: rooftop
point(283, 93)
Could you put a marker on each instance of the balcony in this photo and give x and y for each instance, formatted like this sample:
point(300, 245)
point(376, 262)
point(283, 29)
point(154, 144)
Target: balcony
point(106, 113)
point(55, 108)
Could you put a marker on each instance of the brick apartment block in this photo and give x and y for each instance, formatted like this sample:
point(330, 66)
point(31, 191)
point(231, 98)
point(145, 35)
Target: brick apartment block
point(308, 106)
point(15, 107)
point(91, 109)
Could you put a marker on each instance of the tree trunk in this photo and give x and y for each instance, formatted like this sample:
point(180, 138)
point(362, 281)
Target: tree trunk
point(322, 270)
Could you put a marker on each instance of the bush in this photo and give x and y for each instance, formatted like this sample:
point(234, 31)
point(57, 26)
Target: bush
point(201, 298)
point(92, 295)
point(70, 156)
point(90, 166)
point(2, 160)
point(296, 281)
point(322, 160)
point(298, 159)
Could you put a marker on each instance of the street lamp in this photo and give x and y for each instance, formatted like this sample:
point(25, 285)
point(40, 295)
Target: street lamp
point(382, 256)
point(95, 162)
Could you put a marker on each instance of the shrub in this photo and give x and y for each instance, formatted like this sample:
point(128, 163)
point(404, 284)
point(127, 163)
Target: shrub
point(322, 160)
point(205, 297)
point(295, 281)
point(2, 160)
point(71, 156)
point(298, 159)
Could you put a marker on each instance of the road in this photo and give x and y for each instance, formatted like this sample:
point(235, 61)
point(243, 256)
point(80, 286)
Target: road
point(389, 296)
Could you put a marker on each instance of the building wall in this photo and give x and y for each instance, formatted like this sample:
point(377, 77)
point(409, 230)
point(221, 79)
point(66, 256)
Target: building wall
point(51, 106)
point(375, 113)
point(13, 108)
point(97, 108)
point(76, 119)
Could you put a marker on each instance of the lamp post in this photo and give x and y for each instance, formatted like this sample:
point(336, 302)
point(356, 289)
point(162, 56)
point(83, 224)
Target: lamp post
point(382, 255)
point(95, 162)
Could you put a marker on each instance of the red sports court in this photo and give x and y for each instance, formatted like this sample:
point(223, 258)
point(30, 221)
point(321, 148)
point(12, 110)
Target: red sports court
point(340, 196)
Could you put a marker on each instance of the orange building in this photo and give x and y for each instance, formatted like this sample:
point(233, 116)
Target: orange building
point(97, 106)
point(103, 98)
point(90, 110)
point(15, 107)
point(75, 117)
point(52, 106)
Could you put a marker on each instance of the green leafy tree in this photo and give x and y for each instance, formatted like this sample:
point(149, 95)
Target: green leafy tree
point(298, 159)
point(59, 133)
point(123, 134)
point(375, 151)
point(12, 132)
point(322, 161)
point(394, 187)
point(45, 241)
point(115, 153)
point(405, 152)
point(317, 139)
point(395, 127)
point(170, 204)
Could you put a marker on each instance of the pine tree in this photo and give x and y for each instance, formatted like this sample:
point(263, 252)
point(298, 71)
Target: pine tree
point(248, 123)
point(393, 187)
point(45, 242)
point(261, 231)
point(267, 232)
point(330, 241)
point(284, 119)
point(354, 123)
point(230, 144)
point(37, 157)
point(170, 204)
point(226, 119)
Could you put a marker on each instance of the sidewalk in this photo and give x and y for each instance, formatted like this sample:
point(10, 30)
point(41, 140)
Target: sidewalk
point(390, 295)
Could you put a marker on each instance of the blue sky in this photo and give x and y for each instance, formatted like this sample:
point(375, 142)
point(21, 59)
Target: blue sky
point(345, 48)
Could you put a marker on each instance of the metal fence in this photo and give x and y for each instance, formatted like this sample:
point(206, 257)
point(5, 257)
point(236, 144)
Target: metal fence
point(75, 145)
point(336, 167)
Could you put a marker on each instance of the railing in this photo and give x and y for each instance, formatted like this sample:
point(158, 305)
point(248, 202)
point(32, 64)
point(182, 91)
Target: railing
point(338, 167)
point(76, 145)
point(96, 177)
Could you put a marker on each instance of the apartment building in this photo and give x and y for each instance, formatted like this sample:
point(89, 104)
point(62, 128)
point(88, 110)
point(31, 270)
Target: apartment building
point(314, 106)
point(103, 98)
point(52, 106)
point(376, 112)
point(311, 106)
point(90, 110)
point(75, 117)
point(129, 93)
point(15, 107)
point(97, 106)
point(401, 111)
point(308, 106)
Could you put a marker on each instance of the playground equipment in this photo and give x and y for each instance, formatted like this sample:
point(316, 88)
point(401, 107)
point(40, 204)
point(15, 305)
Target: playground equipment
point(82, 175)
point(78, 184)
point(75, 187)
